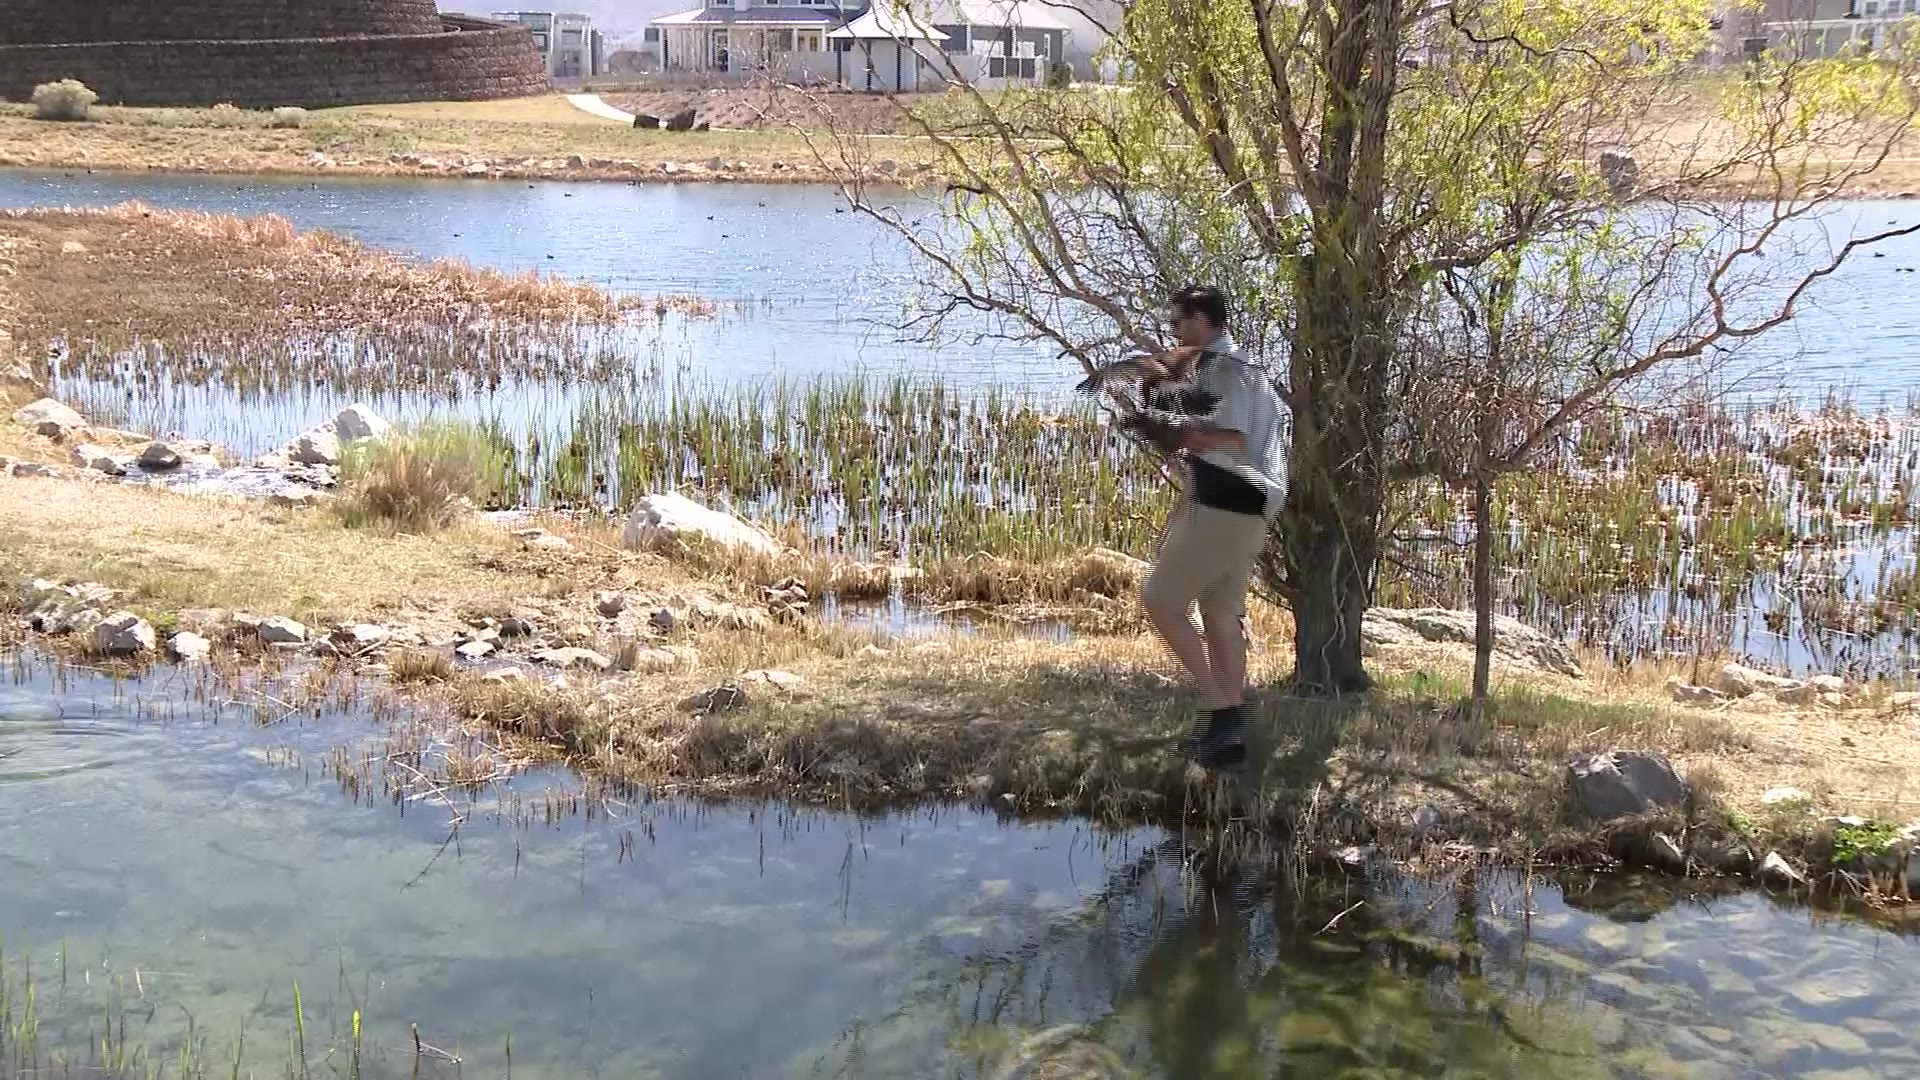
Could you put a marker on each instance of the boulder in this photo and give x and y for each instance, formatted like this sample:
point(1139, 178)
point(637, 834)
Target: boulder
point(357, 422)
point(34, 468)
point(100, 459)
point(664, 620)
point(361, 638)
point(609, 603)
point(668, 521)
point(318, 446)
point(573, 658)
point(189, 647)
point(645, 659)
point(474, 650)
point(158, 455)
point(281, 630)
point(1785, 796)
point(680, 121)
point(1624, 783)
point(1688, 694)
point(1620, 172)
point(123, 634)
point(1779, 873)
point(785, 682)
point(726, 697)
point(1828, 684)
point(49, 418)
point(1741, 681)
point(1512, 638)
point(645, 120)
point(541, 540)
point(504, 675)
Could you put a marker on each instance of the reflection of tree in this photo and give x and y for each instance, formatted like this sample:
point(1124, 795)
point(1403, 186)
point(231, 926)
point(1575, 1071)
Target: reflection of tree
point(1189, 969)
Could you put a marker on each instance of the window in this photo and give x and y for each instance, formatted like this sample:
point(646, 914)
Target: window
point(1871, 7)
point(956, 38)
point(651, 35)
point(571, 37)
point(806, 40)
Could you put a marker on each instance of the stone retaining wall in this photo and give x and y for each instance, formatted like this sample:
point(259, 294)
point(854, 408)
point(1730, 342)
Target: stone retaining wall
point(481, 60)
point(66, 22)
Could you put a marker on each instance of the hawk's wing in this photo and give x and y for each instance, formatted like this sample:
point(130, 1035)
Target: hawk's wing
point(1129, 370)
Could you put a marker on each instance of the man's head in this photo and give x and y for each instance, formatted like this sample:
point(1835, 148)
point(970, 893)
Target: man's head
point(1198, 314)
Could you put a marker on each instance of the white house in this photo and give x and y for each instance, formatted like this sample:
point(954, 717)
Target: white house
point(889, 46)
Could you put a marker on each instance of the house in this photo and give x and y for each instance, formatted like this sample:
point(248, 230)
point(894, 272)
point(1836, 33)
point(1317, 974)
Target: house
point(1821, 27)
point(574, 49)
point(887, 47)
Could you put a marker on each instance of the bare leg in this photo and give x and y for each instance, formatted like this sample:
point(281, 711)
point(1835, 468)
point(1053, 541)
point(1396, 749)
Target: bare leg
point(1226, 648)
point(1173, 621)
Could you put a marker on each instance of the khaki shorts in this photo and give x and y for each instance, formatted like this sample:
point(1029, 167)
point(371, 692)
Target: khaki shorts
point(1207, 558)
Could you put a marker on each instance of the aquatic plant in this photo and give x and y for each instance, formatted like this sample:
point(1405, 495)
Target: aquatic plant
point(422, 479)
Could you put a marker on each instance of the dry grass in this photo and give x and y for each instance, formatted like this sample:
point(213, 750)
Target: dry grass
point(518, 139)
point(1084, 726)
point(149, 271)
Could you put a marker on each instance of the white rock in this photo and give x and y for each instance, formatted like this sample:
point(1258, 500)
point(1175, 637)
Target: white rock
point(79, 620)
point(573, 658)
point(542, 540)
point(281, 630)
point(159, 455)
point(717, 699)
point(189, 647)
point(504, 675)
point(668, 521)
point(1777, 871)
point(784, 681)
point(609, 603)
point(1784, 796)
point(473, 650)
point(123, 634)
point(357, 422)
point(49, 418)
point(1828, 684)
point(1512, 638)
point(1695, 695)
point(34, 468)
point(100, 459)
point(645, 659)
point(318, 446)
point(361, 638)
point(1624, 783)
point(1740, 681)
point(1665, 853)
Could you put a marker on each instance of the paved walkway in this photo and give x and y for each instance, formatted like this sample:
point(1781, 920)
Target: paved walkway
point(591, 103)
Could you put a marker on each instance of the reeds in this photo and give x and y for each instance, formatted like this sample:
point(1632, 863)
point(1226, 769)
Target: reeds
point(422, 479)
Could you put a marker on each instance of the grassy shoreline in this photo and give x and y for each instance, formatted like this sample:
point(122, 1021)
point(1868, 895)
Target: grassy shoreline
point(542, 138)
point(1082, 726)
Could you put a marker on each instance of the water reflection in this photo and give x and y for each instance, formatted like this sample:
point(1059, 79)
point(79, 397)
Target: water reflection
point(192, 880)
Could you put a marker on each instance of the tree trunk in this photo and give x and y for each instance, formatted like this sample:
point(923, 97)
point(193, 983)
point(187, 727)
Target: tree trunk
point(1482, 584)
point(1332, 586)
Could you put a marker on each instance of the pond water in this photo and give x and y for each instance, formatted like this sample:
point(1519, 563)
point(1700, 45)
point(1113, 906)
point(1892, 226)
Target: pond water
point(169, 864)
point(818, 291)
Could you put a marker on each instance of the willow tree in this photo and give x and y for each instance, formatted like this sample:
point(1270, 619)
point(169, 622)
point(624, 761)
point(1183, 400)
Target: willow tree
point(1328, 163)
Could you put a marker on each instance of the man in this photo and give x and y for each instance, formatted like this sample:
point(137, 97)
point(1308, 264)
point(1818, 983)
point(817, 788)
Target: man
point(1225, 419)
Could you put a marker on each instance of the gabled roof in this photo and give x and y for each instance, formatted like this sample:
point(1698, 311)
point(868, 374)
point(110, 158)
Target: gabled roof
point(888, 22)
point(1023, 14)
point(756, 16)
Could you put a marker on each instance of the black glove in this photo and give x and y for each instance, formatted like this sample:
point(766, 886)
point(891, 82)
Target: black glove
point(1160, 429)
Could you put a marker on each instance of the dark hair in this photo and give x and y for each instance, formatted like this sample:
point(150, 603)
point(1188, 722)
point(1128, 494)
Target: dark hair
point(1202, 300)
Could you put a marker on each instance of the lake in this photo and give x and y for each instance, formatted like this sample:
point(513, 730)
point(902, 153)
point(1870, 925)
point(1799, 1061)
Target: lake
point(822, 290)
point(169, 860)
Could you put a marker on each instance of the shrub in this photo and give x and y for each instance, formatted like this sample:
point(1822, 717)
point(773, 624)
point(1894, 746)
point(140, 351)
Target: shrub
point(1059, 75)
point(68, 99)
point(289, 116)
point(227, 114)
point(422, 480)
